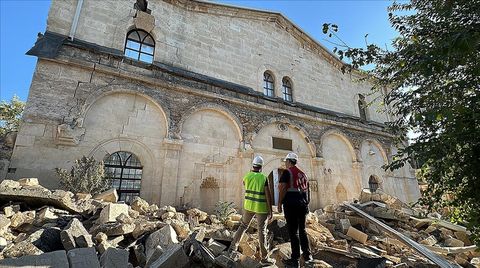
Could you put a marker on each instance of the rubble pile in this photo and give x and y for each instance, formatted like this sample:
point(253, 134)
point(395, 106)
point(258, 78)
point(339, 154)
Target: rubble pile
point(39, 227)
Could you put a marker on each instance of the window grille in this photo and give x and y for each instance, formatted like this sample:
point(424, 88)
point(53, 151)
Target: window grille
point(268, 85)
point(126, 172)
point(287, 89)
point(139, 46)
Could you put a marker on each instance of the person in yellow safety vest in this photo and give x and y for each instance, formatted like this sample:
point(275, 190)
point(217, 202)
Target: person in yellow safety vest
point(257, 203)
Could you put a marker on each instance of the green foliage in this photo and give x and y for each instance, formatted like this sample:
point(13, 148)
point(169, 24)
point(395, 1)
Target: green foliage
point(433, 79)
point(10, 115)
point(86, 176)
point(223, 209)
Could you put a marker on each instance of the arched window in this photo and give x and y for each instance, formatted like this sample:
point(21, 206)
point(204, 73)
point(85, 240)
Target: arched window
point(373, 184)
point(362, 107)
point(139, 46)
point(287, 89)
point(126, 172)
point(268, 84)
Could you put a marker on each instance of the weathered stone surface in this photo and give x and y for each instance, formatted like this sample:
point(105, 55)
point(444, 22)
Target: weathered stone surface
point(3, 243)
point(139, 205)
point(75, 235)
point(56, 259)
point(344, 225)
point(9, 184)
point(28, 182)
point(100, 237)
point(124, 218)
point(224, 262)
point(154, 256)
point(107, 196)
point(46, 215)
point(181, 228)
point(357, 235)
point(174, 256)
point(165, 237)
point(11, 210)
point(4, 224)
point(111, 211)
point(143, 226)
point(139, 252)
point(21, 218)
point(83, 258)
point(83, 196)
point(113, 228)
point(22, 248)
point(452, 242)
point(195, 212)
point(114, 258)
point(429, 241)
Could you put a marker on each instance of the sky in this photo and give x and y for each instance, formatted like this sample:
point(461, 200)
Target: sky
point(21, 20)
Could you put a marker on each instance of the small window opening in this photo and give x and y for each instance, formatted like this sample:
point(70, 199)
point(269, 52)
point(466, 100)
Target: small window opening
point(287, 89)
point(140, 46)
point(362, 107)
point(268, 84)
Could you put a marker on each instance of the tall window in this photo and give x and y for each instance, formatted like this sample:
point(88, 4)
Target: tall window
point(126, 172)
point(140, 46)
point(373, 183)
point(362, 107)
point(268, 84)
point(287, 89)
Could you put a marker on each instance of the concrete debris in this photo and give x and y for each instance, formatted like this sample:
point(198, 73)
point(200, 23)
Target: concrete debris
point(40, 227)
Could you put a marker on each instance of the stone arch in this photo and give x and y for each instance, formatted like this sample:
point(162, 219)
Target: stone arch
point(212, 139)
point(141, 151)
point(306, 137)
point(217, 108)
point(124, 89)
point(343, 137)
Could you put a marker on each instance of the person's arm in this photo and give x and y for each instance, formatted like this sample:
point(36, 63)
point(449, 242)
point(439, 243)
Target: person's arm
point(282, 190)
point(269, 201)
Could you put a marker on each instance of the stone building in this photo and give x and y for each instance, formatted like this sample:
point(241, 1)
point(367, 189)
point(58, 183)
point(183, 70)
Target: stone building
point(177, 96)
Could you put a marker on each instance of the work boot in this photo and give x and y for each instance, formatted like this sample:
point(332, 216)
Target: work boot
point(291, 263)
point(307, 258)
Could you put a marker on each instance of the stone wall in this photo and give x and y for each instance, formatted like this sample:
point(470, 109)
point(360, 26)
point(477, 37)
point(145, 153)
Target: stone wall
point(233, 44)
point(195, 140)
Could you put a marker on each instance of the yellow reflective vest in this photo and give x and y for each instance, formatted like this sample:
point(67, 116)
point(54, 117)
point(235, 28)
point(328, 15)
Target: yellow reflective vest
point(255, 198)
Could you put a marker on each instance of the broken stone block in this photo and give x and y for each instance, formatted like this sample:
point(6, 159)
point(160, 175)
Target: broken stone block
point(100, 237)
point(57, 259)
point(357, 235)
point(155, 255)
point(21, 218)
point(140, 205)
point(114, 228)
point(103, 246)
point(11, 210)
point(195, 212)
point(475, 261)
point(215, 247)
point(461, 260)
point(46, 215)
point(114, 242)
point(10, 184)
point(124, 218)
point(247, 262)
point(453, 242)
point(247, 248)
point(181, 228)
point(83, 258)
point(111, 211)
point(20, 249)
point(83, 196)
point(75, 235)
point(200, 234)
point(139, 252)
point(344, 225)
point(429, 241)
point(143, 226)
point(168, 215)
point(172, 257)
point(133, 213)
point(3, 243)
point(164, 237)
point(462, 236)
point(430, 229)
point(4, 224)
point(114, 258)
point(340, 244)
point(28, 182)
point(107, 196)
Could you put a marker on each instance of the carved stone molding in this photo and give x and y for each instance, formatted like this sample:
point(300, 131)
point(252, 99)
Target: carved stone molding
point(68, 136)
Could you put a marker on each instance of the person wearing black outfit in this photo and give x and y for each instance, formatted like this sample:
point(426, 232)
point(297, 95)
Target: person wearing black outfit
point(294, 195)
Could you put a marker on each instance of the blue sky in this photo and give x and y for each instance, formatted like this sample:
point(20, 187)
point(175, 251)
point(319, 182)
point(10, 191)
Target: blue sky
point(21, 20)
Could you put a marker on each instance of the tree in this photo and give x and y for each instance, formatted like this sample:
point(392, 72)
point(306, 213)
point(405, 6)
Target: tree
point(10, 115)
point(86, 176)
point(431, 82)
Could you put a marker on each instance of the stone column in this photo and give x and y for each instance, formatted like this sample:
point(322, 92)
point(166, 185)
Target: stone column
point(317, 184)
point(357, 178)
point(169, 187)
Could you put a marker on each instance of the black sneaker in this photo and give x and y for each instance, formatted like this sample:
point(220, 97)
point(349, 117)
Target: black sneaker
point(291, 263)
point(307, 258)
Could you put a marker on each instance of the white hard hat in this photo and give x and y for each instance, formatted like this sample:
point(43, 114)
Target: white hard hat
point(292, 156)
point(257, 161)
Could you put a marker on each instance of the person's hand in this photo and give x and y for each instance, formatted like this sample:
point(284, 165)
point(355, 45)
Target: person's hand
point(279, 208)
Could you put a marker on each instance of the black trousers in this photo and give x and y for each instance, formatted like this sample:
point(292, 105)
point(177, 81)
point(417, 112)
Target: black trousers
point(295, 215)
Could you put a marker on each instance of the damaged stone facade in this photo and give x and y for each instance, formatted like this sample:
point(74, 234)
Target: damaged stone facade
point(197, 115)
